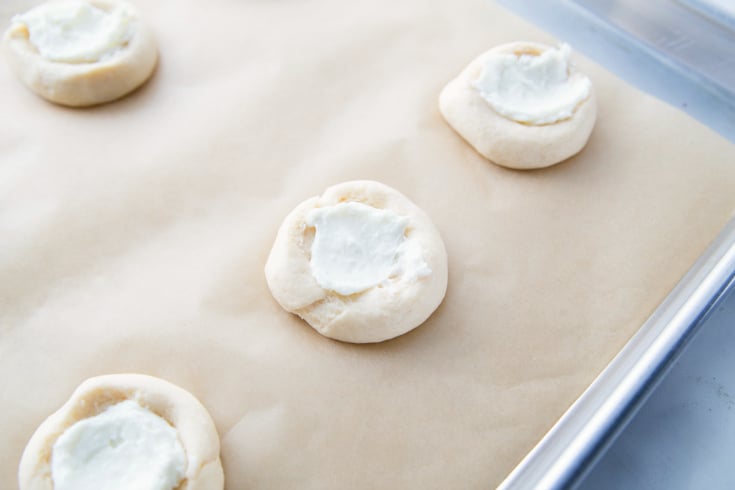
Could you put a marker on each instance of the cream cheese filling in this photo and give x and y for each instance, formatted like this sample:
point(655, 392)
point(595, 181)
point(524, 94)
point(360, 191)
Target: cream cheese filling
point(125, 447)
point(532, 89)
point(357, 247)
point(75, 31)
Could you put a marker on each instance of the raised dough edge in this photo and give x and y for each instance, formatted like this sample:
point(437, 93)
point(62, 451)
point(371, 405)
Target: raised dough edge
point(84, 84)
point(377, 314)
point(506, 142)
point(180, 408)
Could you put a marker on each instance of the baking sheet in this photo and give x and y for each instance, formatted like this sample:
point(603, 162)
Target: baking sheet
point(133, 238)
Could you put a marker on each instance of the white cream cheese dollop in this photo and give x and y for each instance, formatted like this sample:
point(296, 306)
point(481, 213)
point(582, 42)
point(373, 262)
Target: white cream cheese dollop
point(532, 89)
point(357, 247)
point(75, 31)
point(125, 447)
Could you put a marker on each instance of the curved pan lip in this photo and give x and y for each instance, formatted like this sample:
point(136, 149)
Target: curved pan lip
point(564, 455)
point(586, 429)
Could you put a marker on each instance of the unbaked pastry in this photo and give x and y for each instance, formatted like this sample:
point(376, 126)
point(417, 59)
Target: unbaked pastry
point(541, 110)
point(182, 414)
point(360, 263)
point(81, 52)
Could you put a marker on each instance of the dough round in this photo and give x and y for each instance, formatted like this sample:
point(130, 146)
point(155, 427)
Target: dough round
point(84, 83)
point(177, 406)
point(391, 308)
point(503, 140)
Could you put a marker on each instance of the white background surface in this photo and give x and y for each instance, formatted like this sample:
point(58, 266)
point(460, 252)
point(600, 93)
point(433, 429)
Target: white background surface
point(683, 437)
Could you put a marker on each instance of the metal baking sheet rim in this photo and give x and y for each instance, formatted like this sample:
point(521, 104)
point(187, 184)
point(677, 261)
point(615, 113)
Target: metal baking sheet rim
point(560, 459)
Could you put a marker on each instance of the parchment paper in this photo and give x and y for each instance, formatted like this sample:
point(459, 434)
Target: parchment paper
point(133, 238)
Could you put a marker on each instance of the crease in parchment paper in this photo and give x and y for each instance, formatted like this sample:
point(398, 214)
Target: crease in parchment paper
point(133, 238)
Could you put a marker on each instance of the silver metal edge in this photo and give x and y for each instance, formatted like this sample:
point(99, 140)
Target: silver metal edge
point(578, 434)
point(636, 62)
point(705, 77)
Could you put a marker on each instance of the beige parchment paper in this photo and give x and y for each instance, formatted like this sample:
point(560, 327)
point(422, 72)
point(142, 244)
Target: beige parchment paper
point(133, 238)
